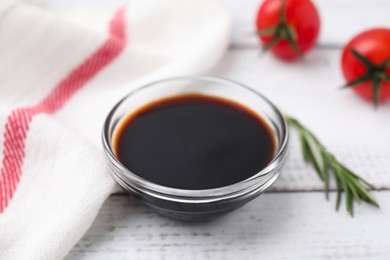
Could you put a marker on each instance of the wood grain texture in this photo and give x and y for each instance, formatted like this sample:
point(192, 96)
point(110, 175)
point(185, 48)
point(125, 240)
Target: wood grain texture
point(273, 226)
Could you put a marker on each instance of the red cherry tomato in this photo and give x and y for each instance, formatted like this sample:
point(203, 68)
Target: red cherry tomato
point(367, 57)
point(293, 25)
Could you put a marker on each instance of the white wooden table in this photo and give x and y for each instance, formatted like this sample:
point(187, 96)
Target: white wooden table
point(292, 221)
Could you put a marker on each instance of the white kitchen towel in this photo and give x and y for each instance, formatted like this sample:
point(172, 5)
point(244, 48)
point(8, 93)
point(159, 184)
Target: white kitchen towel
point(59, 77)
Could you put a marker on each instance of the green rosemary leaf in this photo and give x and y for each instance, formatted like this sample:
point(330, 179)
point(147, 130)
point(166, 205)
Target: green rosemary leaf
point(363, 193)
point(294, 123)
point(305, 148)
point(312, 160)
point(348, 197)
point(349, 201)
point(315, 154)
point(341, 181)
point(351, 184)
point(326, 181)
point(338, 199)
point(366, 196)
point(357, 177)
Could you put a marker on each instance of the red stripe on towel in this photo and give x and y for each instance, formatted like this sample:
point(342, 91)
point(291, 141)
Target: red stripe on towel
point(18, 122)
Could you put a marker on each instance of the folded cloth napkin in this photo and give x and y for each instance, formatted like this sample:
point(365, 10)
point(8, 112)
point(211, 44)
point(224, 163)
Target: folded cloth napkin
point(60, 74)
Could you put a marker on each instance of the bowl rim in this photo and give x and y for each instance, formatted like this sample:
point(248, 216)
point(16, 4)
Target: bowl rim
point(129, 178)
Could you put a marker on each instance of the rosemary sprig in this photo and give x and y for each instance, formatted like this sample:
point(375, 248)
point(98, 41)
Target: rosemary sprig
point(354, 187)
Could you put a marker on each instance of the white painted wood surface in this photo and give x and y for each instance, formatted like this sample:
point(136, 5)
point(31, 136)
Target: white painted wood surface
point(278, 225)
point(274, 226)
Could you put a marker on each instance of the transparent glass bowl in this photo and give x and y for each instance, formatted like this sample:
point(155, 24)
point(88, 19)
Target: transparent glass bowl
point(196, 204)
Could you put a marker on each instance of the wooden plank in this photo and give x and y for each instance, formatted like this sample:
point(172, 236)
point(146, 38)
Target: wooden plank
point(273, 226)
point(340, 19)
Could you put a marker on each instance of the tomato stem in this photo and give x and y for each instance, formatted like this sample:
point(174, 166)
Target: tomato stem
point(374, 73)
point(282, 31)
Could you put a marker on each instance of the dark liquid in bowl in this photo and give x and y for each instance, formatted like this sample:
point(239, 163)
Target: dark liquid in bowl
point(194, 142)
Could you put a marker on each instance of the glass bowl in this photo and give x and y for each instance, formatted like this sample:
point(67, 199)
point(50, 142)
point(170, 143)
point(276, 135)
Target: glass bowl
point(204, 204)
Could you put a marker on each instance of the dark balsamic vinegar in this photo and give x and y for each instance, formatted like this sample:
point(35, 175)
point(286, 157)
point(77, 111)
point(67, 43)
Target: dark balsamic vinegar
point(194, 142)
